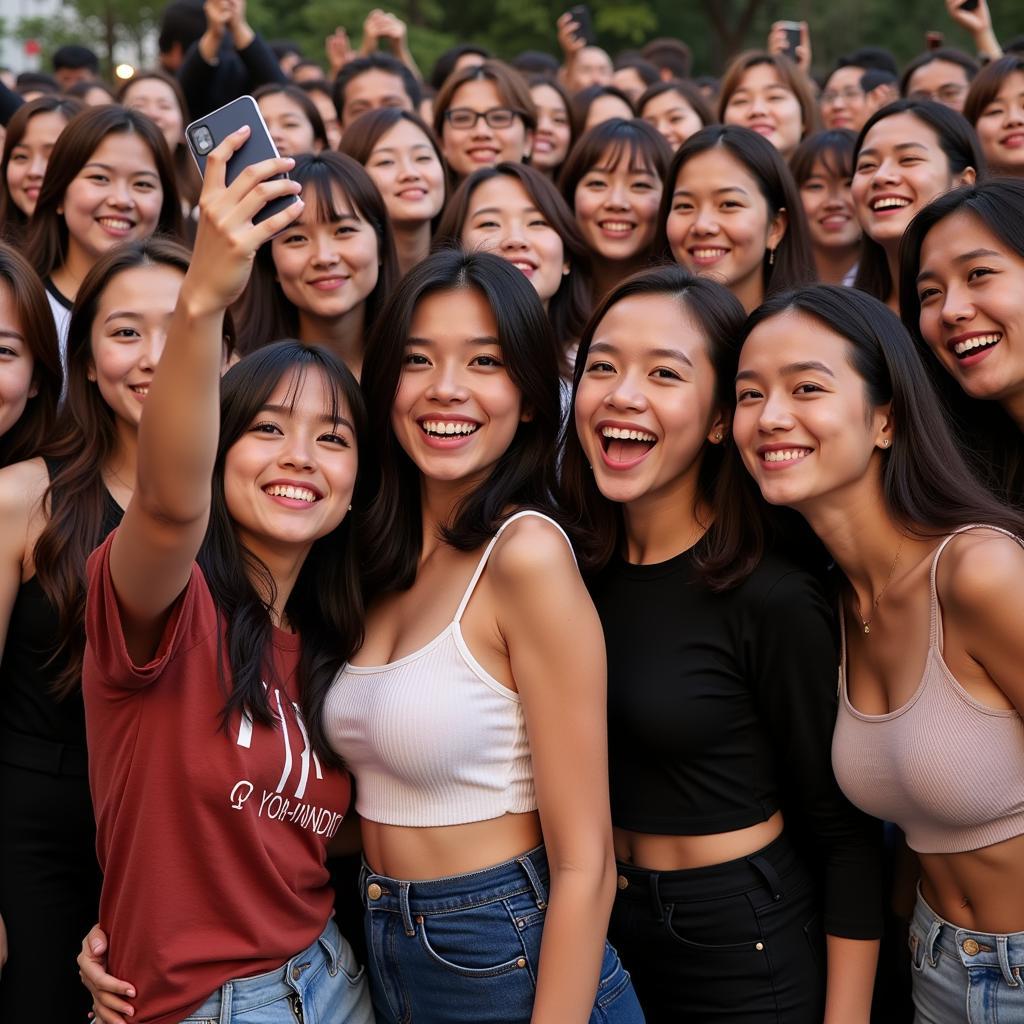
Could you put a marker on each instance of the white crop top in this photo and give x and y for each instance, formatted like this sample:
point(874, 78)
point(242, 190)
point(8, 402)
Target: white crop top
point(433, 739)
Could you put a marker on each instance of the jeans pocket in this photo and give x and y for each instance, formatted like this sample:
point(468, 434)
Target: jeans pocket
point(614, 978)
point(693, 934)
point(481, 942)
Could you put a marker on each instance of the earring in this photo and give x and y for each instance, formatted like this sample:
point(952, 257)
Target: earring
point(771, 257)
point(886, 443)
point(718, 435)
point(350, 508)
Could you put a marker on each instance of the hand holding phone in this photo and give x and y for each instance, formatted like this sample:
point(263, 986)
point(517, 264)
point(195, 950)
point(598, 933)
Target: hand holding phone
point(585, 33)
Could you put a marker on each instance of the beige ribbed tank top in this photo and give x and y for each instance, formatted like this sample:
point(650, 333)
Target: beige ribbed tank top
point(945, 768)
point(432, 738)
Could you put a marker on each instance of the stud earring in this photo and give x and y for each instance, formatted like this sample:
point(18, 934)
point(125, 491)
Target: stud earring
point(886, 443)
point(350, 508)
point(771, 257)
point(718, 435)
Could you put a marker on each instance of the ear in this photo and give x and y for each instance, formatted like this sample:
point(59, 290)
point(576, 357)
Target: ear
point(718, 432)
point(884, 429)
point(968, 176)
point(34, 389)
point(777, 229)
point(526, 416)
point(565, 268)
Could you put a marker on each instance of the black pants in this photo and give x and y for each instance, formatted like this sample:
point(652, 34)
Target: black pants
point(739, 942)
point(49, 892)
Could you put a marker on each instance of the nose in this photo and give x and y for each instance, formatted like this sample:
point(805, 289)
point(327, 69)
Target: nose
point(37, 168)
point(617, 198)
point(957, 307)
point(152, 349)
point(757, 106)
point(887, 170)
point(446, 385)
point(774, 414)
point(513, 239)
point(625, 395)
point(297, 450)
point(705, 223)
point(326, 254)
point(1014, 114)
point(482, 130)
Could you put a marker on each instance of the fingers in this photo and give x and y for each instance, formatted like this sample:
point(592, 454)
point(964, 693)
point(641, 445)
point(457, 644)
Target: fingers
point(217, 160)
point(258, 197)
point(256, 174)
point(266, 229)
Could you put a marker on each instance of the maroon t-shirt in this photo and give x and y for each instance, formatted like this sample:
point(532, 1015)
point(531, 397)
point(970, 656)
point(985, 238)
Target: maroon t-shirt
point(212, 842)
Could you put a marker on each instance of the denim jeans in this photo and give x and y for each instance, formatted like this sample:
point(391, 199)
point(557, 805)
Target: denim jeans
point(962, 976)
point(734, 943)
point(465, 950)
point(321, 985)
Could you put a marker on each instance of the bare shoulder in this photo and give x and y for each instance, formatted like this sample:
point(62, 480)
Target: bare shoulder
point(532, 551)
point(980, 568)
point(22, 488)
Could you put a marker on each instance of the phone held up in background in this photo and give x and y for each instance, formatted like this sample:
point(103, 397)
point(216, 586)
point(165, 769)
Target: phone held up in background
point(205, 134)
point(794, 35)
point(581, 15)
point(969, 5)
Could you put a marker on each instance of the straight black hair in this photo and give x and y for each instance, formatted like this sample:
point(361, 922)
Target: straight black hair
point(929, 488)
point(523, 477)
point(325, 605)
point(990, 436)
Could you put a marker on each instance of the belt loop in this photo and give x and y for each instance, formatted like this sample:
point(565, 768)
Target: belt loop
point(771, 878)
point(403, 904)
point(931, 939)
point(539, 892)
point(652, 891)
point(1002, 942)
point(225, 1003)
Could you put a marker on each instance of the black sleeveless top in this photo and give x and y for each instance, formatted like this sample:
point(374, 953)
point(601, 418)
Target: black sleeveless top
point(28, 707)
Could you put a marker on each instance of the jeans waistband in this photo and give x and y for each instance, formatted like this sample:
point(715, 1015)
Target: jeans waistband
point(238, 996)
point(972, 948)
point(527, 873)
point(771, 867)
point(39, 755)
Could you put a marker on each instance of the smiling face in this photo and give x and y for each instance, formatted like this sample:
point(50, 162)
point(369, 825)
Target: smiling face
point(764, 103)
point(128, 335)
point(719, 224)
point(408, 174)
point(466, 149)
point(115, 197)
point(645, 406)
point(844, 104)
point(157, 100)
point(27, 165)
point(828, 203)
point(16, 363)
point(288, 480)
point(326, 268)
point(456, 409)
point(802, 423)
point(1000, 127)
point(288, 125)
point(502, 218)
point(900, 168)
point(969, 287)
point(551, 140)
point(616, 206)
point(672, 115)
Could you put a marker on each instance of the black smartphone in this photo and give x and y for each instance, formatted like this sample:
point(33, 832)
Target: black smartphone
point(206, 133)
point(794, 34)
point(581, 15)
point(969, 5)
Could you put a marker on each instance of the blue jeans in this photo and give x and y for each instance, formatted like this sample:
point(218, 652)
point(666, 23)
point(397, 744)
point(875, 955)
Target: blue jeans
point(962, 976)
point(465, 950)
point(321, 985)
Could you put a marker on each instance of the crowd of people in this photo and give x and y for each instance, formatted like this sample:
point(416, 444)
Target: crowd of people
point(562, 565)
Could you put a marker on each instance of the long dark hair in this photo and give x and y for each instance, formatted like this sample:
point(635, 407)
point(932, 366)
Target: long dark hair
point(523, 477)
point(85, 439)
point(793, 262)
point(929, 488)
point(987, 83)
point(569, 306)
point(735, 538)
point(35, 324)
point(13, 221)
point(47, 239)
point(958, 142)
point(263, 313)
point(991, 438)
point(325, 606)
point(789, 75)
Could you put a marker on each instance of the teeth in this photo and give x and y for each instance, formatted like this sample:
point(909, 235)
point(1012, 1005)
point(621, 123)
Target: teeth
point(287, 491)
point(979, 342)
point(888, 204)
point(616, 225)
point(618, 434)
point(140, 389)
point(446, 427)
point(709, 254)
point(116, 223)
point(520, 265)
point(786, 455)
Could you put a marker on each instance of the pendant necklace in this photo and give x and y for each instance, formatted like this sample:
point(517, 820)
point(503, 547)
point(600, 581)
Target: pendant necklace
point(866, 623)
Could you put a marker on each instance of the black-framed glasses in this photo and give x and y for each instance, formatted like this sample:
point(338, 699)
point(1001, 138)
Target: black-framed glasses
point(497, 117)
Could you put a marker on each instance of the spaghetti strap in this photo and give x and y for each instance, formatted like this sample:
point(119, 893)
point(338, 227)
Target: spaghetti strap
point(490, 546)
point(935, 624)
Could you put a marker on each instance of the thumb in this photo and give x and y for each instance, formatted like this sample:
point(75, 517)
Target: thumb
point(97, 945)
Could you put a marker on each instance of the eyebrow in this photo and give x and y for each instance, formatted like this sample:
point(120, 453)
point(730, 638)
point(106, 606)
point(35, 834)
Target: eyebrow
point(287, 410)
point(395, 149)
point(664, 353)
point(498, 210)
point(124, 314)
point(715, 192)
point(791, 368)
point(111, 168)
point(484, 339)
point(303, 223)
point(966, 257)
point(6, 332)
point(898, 146)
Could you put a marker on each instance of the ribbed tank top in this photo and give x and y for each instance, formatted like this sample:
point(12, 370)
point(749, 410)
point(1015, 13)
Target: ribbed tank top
point(944, 767)
point(432, 738)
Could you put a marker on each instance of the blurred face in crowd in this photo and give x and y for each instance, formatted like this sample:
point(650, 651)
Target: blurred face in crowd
point(159, 103)
point(371, 90)
point(408, 174)
point(604, 108)
point(482, 144)
point(671, 113)
point(828, 202)
point(592, 66)
point(844, 104)
point(1000, 127)
point(288, 125)
point(941, 81)
point(766, 104)
point(16, 363)
point(27, 165)
point(553, 134)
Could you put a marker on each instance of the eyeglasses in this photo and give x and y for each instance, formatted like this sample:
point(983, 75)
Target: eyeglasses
point(851, 95)
point(944, 94)
point(499, 117)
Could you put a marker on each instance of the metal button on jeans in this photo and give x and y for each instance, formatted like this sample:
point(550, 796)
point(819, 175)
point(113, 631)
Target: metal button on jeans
point(623, 882)
point(970, 947)
point(374, 891)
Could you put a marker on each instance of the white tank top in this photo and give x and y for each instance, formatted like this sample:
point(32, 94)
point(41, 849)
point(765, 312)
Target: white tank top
point(432, 738)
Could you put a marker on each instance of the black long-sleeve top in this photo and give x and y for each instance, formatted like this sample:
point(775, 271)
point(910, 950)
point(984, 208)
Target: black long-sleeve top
point(237, 72)
point(721, 708)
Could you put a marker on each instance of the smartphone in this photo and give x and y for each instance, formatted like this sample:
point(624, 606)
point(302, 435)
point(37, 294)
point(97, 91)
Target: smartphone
point(794, 34)
point(581, 15)
point(933, 40)
point(969, 5)
point(206, 133)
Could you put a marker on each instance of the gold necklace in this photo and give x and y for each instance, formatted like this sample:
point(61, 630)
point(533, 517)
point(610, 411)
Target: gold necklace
point(866, 623)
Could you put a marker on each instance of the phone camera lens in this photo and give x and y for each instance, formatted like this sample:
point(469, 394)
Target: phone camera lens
point(202, 139)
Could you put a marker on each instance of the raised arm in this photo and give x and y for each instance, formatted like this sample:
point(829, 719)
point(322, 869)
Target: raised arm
point(152, 553)
point(556, 649)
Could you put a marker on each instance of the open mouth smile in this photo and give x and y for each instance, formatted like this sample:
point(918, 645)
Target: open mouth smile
point(623, 447)
point(972, 348)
